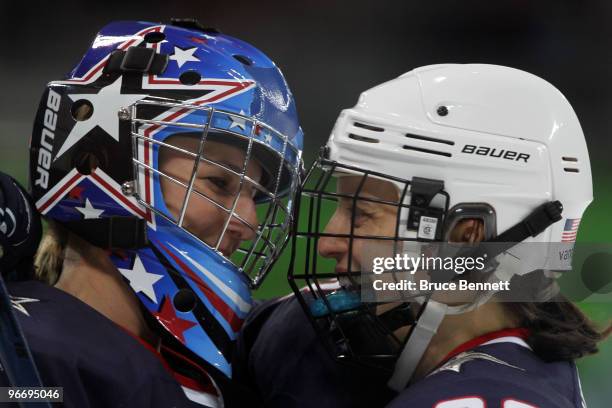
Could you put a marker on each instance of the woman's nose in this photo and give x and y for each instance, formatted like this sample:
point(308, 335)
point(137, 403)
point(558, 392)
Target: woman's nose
point(334, 247)
point(247, 211)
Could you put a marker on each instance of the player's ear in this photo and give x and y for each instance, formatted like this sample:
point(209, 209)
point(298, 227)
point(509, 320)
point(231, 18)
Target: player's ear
point(469, 230)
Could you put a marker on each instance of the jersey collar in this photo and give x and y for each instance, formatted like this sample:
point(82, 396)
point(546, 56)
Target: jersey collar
point(516, 336)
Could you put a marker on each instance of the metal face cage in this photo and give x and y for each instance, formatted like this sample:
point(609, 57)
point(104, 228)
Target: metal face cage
point(154, 124)
point(329, 289)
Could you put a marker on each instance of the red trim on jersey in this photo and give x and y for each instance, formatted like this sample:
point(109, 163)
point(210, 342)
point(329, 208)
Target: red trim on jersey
point(522, 333)
point(194, 385)
point(149, 347)
point(188, 382)
point(208, 387)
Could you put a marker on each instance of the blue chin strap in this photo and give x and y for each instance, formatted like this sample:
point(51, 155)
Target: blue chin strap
point(340, 301)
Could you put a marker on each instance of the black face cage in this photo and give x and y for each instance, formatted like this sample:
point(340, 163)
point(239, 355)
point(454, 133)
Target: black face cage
point(256, 256)
point(365, 334)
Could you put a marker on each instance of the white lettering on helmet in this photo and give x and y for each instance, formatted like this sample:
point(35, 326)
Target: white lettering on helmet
point(46, 139)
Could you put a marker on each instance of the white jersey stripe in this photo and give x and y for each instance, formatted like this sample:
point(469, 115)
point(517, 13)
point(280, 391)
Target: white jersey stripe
point(203, 398)
point(508, 339)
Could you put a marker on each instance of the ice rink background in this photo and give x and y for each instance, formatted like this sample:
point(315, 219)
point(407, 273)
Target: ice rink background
point(332, 50)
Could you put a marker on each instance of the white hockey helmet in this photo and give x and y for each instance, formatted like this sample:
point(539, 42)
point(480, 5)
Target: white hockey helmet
point(493, 134)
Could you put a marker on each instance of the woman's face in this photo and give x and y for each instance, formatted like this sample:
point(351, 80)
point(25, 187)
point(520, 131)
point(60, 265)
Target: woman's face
point(203, 218)
point(371, 219)
point(380, 220)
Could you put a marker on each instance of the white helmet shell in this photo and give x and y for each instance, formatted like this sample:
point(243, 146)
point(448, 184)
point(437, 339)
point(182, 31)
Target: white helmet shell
point(493, 134)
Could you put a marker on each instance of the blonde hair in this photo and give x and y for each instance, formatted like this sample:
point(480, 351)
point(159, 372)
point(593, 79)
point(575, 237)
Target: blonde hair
point(49, 258)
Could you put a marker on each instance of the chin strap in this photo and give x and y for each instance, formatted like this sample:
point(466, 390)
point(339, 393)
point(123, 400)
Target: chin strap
point(534, 224)
point(418, 341)
point(433, 313)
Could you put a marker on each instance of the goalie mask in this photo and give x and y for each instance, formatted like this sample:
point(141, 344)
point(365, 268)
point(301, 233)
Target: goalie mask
point(413, 158)
point(178, 149)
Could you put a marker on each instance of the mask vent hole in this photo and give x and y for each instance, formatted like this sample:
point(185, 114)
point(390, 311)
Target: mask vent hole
point(363, 138)
point(190, 78)
point(368, 127)
point(154, 37)
point(81, 110)
point(430, 139)
point(86, 162)
point(243, 60)
point(184, 300)
point(569, 159)
point(420, 149)
point(571, 170)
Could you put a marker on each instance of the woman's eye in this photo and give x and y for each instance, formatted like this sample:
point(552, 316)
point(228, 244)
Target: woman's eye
point(361, 214)
point(357, 210)
point(220, 184)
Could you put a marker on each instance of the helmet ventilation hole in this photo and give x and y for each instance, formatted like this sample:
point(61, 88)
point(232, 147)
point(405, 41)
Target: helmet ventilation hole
point(442, 111)
point(363, 138)
point(243, 60)
point(368, 127)
point(190, 78)
point(81, 110)
point(184, 300)
point(154, 37)
point(420, 149)
point(430, 139)
point(570, 161)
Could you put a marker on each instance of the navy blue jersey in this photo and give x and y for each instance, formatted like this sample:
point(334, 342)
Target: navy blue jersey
point(502, 374)
point(97, 363)
point(280, 357)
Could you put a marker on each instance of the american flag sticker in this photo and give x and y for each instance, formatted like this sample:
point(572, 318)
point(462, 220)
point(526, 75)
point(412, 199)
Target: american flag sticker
point(570, 230)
